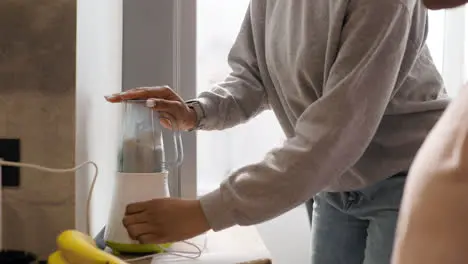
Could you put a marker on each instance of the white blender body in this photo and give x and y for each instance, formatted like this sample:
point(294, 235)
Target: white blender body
point(143, 172)
point(131, 188)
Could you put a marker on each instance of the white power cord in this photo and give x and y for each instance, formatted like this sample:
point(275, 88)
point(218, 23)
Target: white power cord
point(178, 253)
point(185, 254)
point(52, 170)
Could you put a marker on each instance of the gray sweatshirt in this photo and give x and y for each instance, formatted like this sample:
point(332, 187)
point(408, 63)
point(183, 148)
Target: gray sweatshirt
point(353, 86)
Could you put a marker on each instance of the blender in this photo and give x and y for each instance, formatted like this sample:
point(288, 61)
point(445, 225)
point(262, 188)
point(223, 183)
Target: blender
point(142, 173)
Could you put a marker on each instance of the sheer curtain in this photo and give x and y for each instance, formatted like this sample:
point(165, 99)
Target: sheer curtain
point(218, 23)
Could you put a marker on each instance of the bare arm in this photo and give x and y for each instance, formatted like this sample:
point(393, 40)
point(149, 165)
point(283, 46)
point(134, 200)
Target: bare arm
point(433, 222)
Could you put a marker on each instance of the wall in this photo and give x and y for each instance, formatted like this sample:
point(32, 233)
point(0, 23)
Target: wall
point(37, 105)
point(43, 47)
point(99, 68)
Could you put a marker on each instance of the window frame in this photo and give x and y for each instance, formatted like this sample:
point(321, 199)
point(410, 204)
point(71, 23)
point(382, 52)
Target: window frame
point(185, 36)
point(453, 70)
point(159, 48)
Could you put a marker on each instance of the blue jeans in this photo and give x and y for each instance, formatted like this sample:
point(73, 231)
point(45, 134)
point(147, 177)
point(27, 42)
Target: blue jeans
point(357, 227)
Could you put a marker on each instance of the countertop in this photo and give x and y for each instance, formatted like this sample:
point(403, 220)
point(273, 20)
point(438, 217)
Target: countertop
point(236, 245)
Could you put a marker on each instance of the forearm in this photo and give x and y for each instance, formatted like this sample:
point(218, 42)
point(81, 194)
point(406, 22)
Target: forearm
point(220, 109)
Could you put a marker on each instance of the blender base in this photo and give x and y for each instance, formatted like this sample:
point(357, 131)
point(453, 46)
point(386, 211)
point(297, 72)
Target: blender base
point(136, 249)
point(126, 249)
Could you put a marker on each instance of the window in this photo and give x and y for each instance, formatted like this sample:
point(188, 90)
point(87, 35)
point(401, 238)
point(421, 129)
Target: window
point(446, 40)
point(435, 39)
point(218, 23)
point(454, 49)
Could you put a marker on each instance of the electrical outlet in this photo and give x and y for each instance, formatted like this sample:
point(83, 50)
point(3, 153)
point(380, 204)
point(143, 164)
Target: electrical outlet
point(10, 151)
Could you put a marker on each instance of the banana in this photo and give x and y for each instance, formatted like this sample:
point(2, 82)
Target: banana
point(56, 258)
point(75, 247)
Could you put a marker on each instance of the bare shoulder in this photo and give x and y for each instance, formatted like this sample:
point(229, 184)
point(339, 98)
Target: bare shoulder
point(435, 201)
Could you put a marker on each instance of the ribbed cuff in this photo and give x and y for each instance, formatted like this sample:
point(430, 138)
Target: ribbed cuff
point(216, 211)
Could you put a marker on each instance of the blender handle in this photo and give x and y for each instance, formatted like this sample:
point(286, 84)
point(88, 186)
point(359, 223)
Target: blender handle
point(179, 152)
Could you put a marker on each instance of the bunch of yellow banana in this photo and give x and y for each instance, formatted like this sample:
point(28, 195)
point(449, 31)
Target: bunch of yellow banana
point(75, 247)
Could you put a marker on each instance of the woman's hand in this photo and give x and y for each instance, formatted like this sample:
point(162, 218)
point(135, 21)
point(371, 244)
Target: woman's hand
point(165, 220)
point(164, 100)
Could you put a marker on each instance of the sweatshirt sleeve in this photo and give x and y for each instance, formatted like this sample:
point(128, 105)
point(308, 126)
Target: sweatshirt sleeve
point(333, 132)
point(241, 95)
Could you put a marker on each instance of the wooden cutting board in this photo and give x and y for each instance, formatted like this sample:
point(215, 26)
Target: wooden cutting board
point(261, 261)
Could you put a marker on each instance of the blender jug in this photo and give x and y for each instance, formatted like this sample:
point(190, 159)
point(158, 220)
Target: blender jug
point(142, 145)
point(143, 170)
